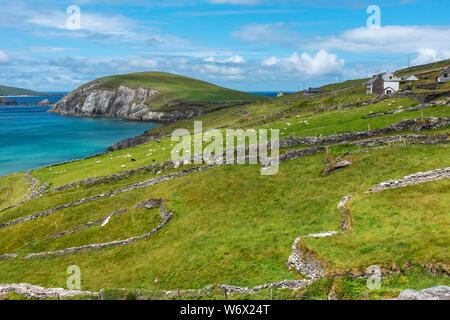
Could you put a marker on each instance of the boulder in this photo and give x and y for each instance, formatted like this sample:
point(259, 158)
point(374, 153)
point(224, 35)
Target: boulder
point(337, 166)
point(5, 102)
point(434, 293)
point(44, 102)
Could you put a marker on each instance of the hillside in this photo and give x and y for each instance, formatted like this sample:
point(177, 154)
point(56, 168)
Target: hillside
point(149, 96)
point(12, 91)
point(363, 181)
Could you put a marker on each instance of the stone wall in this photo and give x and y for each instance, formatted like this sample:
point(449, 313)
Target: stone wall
point(428, 86)
point(414, 108)
point(293, 154)
point(347, 220)
point(8, 256)
point(422, 124)
point(36, 292)
point(400, 138)
point(96, 246)
point(135, 186)
point(149, 204)
point(412, 179)
point(89, 224)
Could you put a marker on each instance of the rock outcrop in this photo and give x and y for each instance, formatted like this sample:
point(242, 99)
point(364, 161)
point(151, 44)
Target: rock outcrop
point(5, 102)
point(339, 165)
point(44, 102)
point(435, 293)
point(123, 102)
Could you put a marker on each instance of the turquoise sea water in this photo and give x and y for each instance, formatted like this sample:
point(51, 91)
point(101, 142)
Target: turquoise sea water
point(31, 137)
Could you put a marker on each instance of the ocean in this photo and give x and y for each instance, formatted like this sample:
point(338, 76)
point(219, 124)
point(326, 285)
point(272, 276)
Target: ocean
point(270, 94)
point(31, 137)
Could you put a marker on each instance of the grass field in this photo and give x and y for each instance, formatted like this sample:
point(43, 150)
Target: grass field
point(13, 189)
point(231, 224)
point(219, 235)
point(325, 123)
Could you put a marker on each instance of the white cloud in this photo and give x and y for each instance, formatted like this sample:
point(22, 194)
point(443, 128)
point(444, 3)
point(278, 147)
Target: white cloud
point(270, 61)
point(234, 59)
point(107, 29)
point(145, 64)
point(323, 63)
point(429, 55)
point(3, 57)
point(267, 33)
point(387, 39)
point(429, 42)
point(214, 71)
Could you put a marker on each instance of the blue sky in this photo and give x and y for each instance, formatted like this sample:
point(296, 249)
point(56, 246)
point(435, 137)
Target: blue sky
point(252, 45)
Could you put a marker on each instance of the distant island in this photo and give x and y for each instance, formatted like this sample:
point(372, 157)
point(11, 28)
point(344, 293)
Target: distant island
point(13, 91)
point(6, 102)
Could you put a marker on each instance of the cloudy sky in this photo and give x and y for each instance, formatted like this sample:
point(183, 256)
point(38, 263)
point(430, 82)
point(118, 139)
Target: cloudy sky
point(253, 45)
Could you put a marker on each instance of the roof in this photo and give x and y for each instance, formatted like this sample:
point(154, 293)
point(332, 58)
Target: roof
point(389, 76)
point(410, 78)
point(386, 76)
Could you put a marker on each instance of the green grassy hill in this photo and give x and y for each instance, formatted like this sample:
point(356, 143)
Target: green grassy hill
point(175, 89)
point(230, 224)
point(12, 91)
point(423, 68)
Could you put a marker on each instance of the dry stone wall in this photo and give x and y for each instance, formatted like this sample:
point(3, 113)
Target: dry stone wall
point(422, 124)
point(168, 216)
point(415, 108)
point(414, 125)
point(8, 256)
point(89, 224)
point(36, 292)
point(412, 179)
point(135, 186)
point(437, 138)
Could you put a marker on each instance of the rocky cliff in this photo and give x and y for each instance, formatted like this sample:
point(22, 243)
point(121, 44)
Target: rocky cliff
point(122, 102)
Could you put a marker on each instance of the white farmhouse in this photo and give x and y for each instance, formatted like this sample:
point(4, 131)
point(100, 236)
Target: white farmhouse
point(383, 83)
